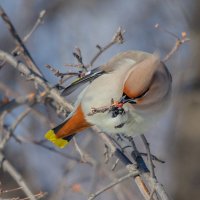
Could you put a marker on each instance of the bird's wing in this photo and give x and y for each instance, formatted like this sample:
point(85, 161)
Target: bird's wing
point(111, 65)
point(90, 76)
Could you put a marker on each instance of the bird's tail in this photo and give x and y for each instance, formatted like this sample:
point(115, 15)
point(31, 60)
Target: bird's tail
point(63, 133)
point(59, 142)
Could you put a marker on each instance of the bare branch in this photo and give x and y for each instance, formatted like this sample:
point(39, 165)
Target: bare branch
point(118, 38)
point(63, 76)
point(7, 166)
point(34, 28)
point(153, 157)
point(178, 43)
point(21, 100)
point(85, 157)
point(149, 158)
point(41, 144)
point(115, 164)
point(119, 180)
point(158, 187)
point(10, 190)
point(152, 193)
point(125, 160)
point(52, 92)
point(36, 25)
point(77, 54)
point(19, 42)
point(13, 127)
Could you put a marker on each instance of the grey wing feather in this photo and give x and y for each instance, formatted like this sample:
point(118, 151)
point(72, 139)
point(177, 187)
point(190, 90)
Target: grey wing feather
point(88, 78)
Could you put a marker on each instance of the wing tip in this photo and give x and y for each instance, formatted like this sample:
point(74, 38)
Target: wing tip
point(59, 142)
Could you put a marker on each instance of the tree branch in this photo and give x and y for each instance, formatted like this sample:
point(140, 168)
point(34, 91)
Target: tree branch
point(149, 157)
point(19, 42)
point(117, 39)
point(30, 75)
point(33, 29)
point(7, 166)
point(119, 180)
point(10, 131)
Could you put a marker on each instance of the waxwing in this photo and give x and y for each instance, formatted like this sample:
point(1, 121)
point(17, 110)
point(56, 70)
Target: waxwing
point(126, 95)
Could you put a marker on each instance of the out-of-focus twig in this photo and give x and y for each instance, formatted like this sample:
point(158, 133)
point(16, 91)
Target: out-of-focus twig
point(36, 25)
point(33, 29)
point(41, 144)
point(149, 158)
point(141, 166)
point(19, 42)
point(118, 38)
point(28, 73)
point(13, 127)
point(9, 190)
point(85, 157)
point(7, 166)
point(178, 43)
point(21, 100)
point(126, 161)
point(152, 193)
point(119, 180)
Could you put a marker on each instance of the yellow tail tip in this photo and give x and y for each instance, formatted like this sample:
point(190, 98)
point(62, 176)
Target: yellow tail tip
point(59, 142)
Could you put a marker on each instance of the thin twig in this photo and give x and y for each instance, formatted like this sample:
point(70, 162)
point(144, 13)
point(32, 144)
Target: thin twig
point(21, 100)
point(52, 92)
point(178, 43)
point(10, 190)
point(37, 196)
point(36, 25)
point(7, 166)
point(117, 39)
point(85, 157)
point(78, 55)
point(119, 180)
point(115, 164)
point(152, 193)
point(158, 187)
point(63, 76)
point(20, 118)
point(149, 158)
point(41, 144)
point(19, 42)
point(153, 157)
point(13, 127)
point(125, 160)
point(33, 29)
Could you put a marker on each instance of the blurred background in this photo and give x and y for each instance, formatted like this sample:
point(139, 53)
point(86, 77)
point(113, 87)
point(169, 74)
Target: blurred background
point(86, 23)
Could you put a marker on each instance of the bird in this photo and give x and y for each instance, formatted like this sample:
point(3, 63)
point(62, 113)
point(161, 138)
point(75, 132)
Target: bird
point(134, 87)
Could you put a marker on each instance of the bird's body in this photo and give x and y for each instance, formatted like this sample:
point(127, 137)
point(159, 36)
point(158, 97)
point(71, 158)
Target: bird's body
point(138, 76)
